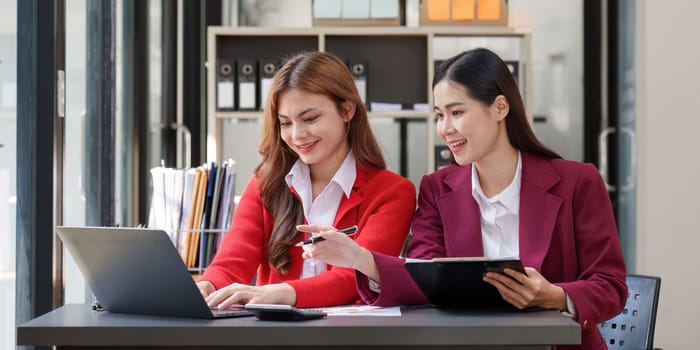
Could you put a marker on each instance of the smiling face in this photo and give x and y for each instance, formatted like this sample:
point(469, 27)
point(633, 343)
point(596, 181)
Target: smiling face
point(312, 127)
point(472, 130)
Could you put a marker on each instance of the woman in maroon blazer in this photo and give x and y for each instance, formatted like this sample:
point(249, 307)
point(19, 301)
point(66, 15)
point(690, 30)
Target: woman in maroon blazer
point(508, 195)
point(321, 165)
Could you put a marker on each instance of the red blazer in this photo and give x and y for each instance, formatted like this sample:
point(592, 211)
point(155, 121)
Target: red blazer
point(567, 232)
point(381, 204)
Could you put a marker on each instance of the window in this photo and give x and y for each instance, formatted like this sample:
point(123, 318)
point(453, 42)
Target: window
point(8, 170)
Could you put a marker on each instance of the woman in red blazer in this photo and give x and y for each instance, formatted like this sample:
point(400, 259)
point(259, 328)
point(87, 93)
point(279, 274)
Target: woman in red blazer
point(321, 165)
point(507, 195)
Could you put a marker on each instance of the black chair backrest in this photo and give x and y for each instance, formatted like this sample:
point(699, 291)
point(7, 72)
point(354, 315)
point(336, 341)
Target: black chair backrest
point(633, 328)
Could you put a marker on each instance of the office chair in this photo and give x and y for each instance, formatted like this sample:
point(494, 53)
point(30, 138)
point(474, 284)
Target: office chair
point(633, 328)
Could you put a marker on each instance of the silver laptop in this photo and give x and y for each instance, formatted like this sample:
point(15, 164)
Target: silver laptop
point(137, 271)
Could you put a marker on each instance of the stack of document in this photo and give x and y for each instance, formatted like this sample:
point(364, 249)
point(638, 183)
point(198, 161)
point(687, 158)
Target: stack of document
point(194, 206)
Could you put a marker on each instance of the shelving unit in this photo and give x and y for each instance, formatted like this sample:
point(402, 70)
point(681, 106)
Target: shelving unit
point(401, 67)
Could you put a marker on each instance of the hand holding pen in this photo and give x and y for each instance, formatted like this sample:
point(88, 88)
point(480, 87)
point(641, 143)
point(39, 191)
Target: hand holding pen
point(339, 250)
point(315, 239)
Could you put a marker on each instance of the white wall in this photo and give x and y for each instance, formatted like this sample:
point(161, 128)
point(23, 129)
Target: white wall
point(668, 126)
point(556, 29)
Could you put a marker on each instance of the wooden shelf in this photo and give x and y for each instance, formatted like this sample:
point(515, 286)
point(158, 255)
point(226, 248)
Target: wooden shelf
point(252, 115)
point(481, 30)
point(239, 115)
point(400, 115)
point(401, 65)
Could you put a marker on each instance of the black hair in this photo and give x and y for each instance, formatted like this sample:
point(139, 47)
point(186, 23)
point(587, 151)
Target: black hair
point(485, 76)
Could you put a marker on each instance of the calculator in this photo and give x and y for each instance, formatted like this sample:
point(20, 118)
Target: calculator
point(278, 312)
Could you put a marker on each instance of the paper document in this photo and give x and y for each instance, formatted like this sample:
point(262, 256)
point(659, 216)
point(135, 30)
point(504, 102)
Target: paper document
point(362, 310)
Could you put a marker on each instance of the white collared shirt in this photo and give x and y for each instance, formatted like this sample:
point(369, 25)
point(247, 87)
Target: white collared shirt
point(499, 216)
point(323, 209)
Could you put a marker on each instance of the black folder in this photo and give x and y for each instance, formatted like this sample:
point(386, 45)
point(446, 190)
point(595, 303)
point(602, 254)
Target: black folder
point(514, 68)
point(443, 157)
point(268, 68)
point(458, 281)
point(225, 84)
point(247, 90)
point(359, 69)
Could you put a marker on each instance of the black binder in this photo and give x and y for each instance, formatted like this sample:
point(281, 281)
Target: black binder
point(359, 69)
point(514, 68)
point(443, 157)
point(247, 91)
point(458, 281)
point(268, 68)
point(225, 85)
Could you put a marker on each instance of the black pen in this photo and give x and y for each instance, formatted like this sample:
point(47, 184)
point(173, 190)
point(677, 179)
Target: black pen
point(348, 231)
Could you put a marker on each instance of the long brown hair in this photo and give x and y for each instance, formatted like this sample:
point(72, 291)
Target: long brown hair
point(485, 76)
point(317, 73)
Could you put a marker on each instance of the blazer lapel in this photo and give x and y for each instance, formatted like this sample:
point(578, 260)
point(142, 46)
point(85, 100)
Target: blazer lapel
point(347, 213)
point(538, 209)
point(460, 215)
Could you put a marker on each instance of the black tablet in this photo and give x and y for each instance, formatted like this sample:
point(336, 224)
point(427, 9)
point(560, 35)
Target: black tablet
point(459, 281)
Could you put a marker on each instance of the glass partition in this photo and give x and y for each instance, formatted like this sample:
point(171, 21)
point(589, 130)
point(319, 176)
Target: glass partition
point(74, 146)
point(8, 170)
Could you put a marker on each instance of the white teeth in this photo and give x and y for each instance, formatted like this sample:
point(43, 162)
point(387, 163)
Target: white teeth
point(458, 143)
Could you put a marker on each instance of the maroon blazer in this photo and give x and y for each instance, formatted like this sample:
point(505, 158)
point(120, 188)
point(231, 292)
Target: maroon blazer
point(567, 232)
